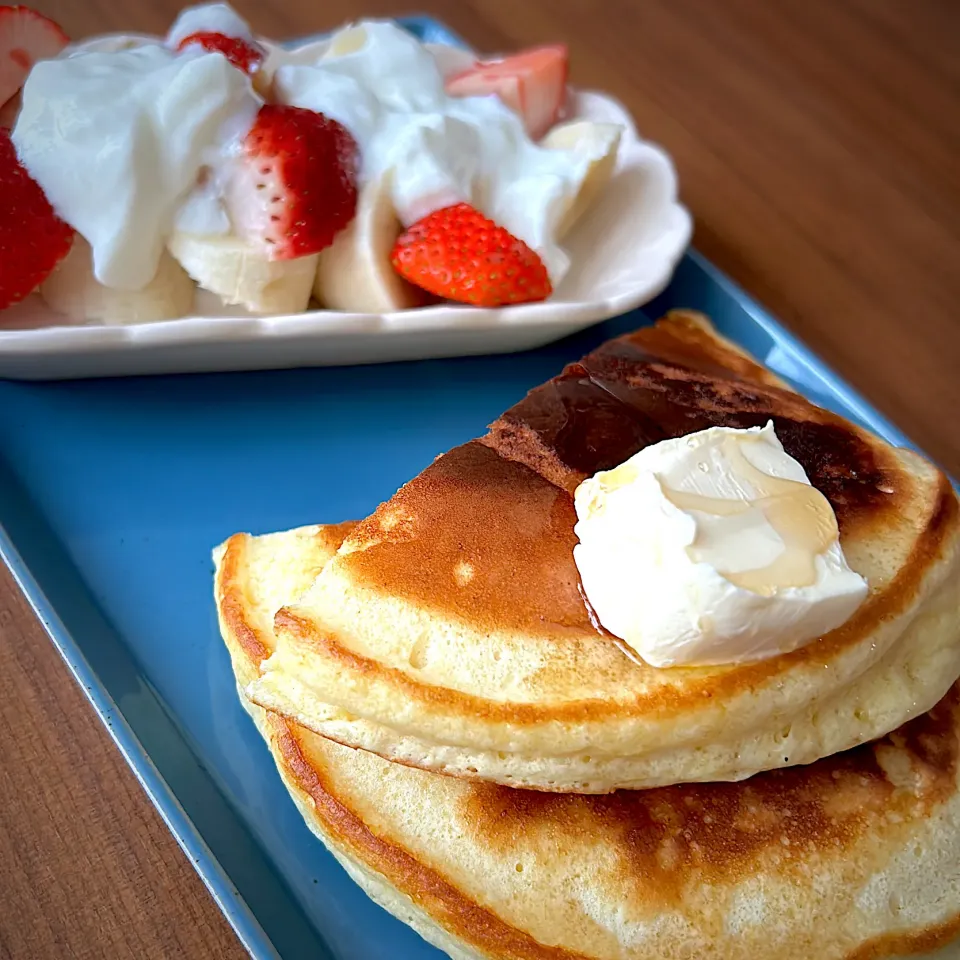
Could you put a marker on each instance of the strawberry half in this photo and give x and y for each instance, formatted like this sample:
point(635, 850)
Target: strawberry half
point(33, 239)
point(25, 37)
point(243, 54)
point(296, 185)
point(459, 254)
point(533, 83)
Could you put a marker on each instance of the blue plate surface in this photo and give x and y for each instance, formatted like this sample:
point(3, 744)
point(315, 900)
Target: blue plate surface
point(113, 492)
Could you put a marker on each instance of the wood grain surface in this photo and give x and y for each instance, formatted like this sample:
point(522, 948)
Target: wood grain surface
point(817, 145)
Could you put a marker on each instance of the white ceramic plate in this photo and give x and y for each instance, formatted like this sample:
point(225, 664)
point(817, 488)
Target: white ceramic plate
point(623, 253)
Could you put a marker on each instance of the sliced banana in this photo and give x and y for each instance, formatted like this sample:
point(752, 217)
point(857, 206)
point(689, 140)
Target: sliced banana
point(355, 273)
point(231, 269)
point(598, 142)
point(73, 290)
point(348, 40)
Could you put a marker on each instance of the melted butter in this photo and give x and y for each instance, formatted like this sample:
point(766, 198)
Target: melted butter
point(799, 513)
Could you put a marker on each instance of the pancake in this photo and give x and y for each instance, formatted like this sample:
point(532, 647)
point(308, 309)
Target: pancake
point(449, 633)
point(856, 857)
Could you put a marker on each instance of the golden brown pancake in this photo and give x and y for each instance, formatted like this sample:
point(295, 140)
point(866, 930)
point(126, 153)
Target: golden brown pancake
point(450, 632)
point(855, 857)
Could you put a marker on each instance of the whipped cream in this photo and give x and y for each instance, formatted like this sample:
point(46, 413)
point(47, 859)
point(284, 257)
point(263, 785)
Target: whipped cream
point(712, 548)
point(117, 141)
point(387, 89)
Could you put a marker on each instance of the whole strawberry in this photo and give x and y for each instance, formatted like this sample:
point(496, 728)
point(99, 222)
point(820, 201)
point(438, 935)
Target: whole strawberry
point(459, 254)
point(33, 239)
point(296, 185)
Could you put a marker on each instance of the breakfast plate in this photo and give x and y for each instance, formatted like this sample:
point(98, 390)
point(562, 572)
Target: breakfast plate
point(622, 254)
point(114, 490)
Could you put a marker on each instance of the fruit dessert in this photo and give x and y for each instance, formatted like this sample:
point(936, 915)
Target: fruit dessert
point(211, 170)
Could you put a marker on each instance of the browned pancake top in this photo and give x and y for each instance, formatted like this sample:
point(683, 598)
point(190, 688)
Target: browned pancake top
point(671, 380)
point(486, 532)
point(506, 559)
point(670, 837)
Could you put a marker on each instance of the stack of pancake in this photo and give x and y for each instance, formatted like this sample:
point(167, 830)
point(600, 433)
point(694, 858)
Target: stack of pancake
point(502, 774)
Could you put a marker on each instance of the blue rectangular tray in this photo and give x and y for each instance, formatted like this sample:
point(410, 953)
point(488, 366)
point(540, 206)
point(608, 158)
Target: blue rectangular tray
point(113, 492)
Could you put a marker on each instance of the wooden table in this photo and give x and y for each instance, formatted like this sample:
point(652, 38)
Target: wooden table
point(817, 146)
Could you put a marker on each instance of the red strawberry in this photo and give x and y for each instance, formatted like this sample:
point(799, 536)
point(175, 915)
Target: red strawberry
point(533, 83)
point(459, 254)
point(296, 186)
point(243, 54)
point(25, 37)
point(10, 111)
point(33, 240)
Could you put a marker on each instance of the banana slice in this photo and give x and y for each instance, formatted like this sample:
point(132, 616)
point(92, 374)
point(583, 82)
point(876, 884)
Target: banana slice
point(231, 269)
point(73, 290)
point(599, 143)
point(355, 273)
point(348, 40)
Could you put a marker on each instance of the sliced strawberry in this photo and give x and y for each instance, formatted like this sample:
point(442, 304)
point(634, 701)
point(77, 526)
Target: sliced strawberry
point(25, 37)
point(296, 186)
point(33, 239)
point(243, 54)
point(10, 111)
point(458, 254)
point(533, 83)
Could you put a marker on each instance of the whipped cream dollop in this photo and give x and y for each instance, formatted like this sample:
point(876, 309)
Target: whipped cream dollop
point(387, 89)
point(712, 548)
point(118, 139)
